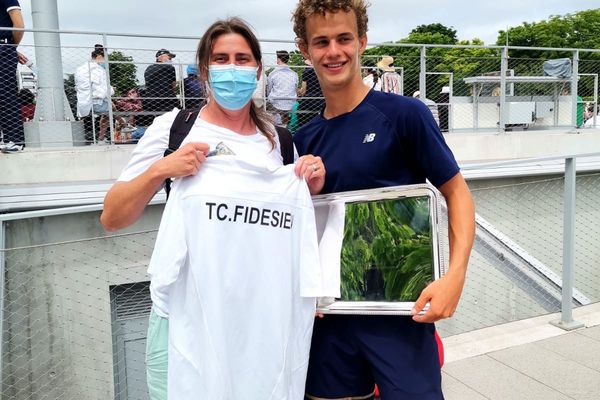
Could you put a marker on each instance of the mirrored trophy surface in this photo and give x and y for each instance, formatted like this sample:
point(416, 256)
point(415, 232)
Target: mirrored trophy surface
point(388, 246)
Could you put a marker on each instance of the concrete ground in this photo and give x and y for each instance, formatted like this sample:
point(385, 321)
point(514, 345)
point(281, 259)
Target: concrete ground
point(529, 359)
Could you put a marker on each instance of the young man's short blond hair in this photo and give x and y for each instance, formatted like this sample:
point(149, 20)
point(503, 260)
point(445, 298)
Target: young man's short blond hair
point(307, 8)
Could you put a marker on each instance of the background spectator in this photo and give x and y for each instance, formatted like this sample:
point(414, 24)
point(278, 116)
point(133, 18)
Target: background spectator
point(430, 104)
point(282, 84)
point(371, 76)
point(443, 108)
point(130, 102)
point(258, 97)
point(194, 91)
point(91, 85)
point(27, 100)
point(390, 79)
point(161, 82)
point(10, 120)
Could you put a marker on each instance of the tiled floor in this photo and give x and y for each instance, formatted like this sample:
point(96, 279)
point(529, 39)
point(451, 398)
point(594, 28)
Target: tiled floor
point(566, 365)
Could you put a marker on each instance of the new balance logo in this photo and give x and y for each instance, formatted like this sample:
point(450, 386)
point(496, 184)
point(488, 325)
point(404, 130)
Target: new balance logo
point(369, 137)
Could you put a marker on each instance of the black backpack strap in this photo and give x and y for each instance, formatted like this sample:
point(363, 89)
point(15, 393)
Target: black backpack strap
point(179, 130)
point(287, 144)
point(182, 125)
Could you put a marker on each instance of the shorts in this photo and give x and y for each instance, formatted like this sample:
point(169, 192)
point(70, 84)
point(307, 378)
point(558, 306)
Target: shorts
point(157, 345)
point(350, 353)
point(100, 108)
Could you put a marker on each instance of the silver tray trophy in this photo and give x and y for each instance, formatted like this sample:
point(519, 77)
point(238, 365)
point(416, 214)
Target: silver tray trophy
point(389, 251)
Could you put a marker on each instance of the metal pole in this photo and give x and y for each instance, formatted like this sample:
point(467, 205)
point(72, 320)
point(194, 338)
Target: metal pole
point(503, 72)
point(50, 105)
point(111, 124)
point(422, 74)
point(401, 80)
point(574, 79)
point(566, 322)
point(595, 98)
point(2, 265)
point(180, 84)
point(92, 115)
point(450, 110)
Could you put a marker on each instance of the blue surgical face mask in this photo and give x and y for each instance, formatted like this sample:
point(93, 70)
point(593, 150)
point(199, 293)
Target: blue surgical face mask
point(231, 85)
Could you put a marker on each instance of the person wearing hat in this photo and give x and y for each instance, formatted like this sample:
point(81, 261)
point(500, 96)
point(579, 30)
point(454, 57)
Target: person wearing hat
point(390, 79)
point(161, 82)
point(430, 104)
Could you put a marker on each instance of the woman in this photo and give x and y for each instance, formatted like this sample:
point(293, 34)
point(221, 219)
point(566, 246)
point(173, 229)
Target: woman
point(224, 336)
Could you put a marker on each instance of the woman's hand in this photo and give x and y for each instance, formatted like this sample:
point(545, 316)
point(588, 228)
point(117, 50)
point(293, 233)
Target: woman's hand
point(312, 169)
point(186, 161)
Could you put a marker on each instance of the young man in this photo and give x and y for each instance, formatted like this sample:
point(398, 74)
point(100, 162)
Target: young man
point(369, 139)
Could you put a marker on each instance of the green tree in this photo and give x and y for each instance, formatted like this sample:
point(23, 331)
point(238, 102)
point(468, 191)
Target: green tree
point(122, 72)
point(296, 59)
point(462, 62)
point(432, 34)
point(296, 63)
point(578, 30)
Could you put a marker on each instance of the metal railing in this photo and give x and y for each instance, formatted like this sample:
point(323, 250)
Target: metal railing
point(472, 88)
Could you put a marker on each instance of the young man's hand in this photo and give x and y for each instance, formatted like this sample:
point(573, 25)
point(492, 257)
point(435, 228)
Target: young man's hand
point(442, 295)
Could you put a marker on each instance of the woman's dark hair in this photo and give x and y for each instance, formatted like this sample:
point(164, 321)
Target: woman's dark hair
point(263, 121)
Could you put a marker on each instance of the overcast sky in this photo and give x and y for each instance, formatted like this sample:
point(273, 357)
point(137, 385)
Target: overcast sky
point(388, 19)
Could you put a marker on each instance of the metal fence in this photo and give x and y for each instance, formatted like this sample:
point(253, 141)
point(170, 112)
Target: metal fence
point(468, 88)
point(75, 300)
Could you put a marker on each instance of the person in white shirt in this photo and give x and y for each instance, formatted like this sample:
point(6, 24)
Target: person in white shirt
point(245, 296)
point(282, 86)
point(430, 104)
point(371, 77)
point(92, 88)
point(259, 95)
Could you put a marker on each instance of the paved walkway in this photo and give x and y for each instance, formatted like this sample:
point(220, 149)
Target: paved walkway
point(530, 359)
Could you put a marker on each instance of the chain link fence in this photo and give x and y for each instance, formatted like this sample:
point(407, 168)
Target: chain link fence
point(109, 90)
point(515, 271)
point(74, 312)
